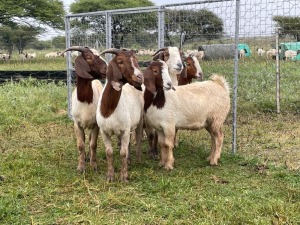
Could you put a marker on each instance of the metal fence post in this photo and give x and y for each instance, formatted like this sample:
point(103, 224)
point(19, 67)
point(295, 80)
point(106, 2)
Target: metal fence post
point(108, 35)
point(236, 71)
point(161, 27)
point(277, 70)
point(69, 66)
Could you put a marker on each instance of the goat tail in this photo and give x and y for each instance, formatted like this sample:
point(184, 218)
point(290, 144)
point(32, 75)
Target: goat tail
point(219, 79)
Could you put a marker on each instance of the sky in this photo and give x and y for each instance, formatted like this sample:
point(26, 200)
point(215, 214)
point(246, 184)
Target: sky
point(255, 15)
point(156, 2)
point(67, 3)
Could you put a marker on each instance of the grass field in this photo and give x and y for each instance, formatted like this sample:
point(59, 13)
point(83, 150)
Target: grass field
point(259, 185)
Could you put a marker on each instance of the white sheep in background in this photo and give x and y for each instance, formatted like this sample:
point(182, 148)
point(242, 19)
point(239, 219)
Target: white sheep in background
point(289, 54)
point(52, 55)
point(194, 106)
point(88, 69)
point(242, 53)
point(120, 108)
point(31, 55)
point(25, 56)
point(5, 56)
point(271, 53)
point(261, 52)
point(172, 57)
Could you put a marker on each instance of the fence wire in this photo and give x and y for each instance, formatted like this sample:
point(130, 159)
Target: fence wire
point(238, 38)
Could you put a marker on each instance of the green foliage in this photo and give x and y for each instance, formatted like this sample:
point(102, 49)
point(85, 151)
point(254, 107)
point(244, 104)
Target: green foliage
point(289, 25)
point(191, 24)
point(82, 6)
point(42, 11)
point(24, 100)
point(23, 20)
point(122, 25)
point(18, 36)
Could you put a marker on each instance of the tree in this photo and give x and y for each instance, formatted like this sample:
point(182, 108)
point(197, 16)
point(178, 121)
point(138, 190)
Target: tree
point(81, 6)
point(289, 25)
point(21, 21)
point(17, 36)
point(122, 25)
point(189, 24)
point(34, 13)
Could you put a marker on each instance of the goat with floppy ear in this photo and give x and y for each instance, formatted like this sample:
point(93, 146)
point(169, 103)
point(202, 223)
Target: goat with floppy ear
point(171, 56)
point(117, 74)
point(88, 68)
point(120, 108)
point(167, 111)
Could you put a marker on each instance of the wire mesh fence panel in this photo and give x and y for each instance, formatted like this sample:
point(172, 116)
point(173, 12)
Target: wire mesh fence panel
point(238, 39)
point(255, 44)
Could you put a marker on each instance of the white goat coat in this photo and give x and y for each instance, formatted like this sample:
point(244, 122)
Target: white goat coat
point(85, 113)
point(127, 114)
point(190, 107)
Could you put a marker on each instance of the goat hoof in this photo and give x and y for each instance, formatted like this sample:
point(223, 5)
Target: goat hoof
point(125, 180)
point(213, 162)
point(94, 166)
point(168, 167)
point(110, 178)
point(80, 169)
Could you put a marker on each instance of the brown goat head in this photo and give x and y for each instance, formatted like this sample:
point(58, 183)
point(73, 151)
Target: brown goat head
point(88, 65)
point(123, 68)
point(156, 77)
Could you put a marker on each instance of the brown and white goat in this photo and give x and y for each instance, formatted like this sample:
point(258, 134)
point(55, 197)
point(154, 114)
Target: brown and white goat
point(193, 106)
point(172, 57)
point(120, 108)
point(88, 69)
point(191, 70)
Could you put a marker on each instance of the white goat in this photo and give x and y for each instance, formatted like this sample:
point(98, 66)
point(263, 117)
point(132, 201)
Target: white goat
point(192, 106)
point(289, 54)
point(120, 108)
point(172, 57)
point(88, 68)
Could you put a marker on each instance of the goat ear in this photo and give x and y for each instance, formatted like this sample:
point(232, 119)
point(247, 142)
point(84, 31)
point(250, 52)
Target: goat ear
point(114, 75)
point(82, 68)
point(158, 56)
point(149, 81)
point(183, 73)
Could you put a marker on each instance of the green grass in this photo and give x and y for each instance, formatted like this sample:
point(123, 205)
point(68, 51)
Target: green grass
point(259, 185)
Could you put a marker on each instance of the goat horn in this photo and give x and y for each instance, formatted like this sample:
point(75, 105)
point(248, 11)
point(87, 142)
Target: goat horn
point(75, 48)
point(159, 50)
point(111, 50)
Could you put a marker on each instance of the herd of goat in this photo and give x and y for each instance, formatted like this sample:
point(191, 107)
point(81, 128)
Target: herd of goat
point(158, 101)
point(269, 54)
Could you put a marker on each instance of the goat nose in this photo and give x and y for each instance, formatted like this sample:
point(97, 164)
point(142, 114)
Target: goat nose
point(140, 77)
point(180, 65)
point(169, 84)
point(200, 76)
